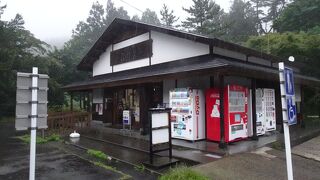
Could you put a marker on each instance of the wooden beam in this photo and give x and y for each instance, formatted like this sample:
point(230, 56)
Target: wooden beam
point(254, 111)
point(222, 143)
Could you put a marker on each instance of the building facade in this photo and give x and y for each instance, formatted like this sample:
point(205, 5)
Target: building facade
point(135, 66)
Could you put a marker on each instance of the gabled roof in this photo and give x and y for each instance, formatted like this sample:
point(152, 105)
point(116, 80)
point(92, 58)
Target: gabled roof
point(121, 29)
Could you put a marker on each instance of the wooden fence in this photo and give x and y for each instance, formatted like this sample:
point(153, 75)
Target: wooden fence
point(65, 122)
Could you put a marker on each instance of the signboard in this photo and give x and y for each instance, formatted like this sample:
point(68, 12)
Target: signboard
point(290, 96)
point(159, 134)
point(288, 111)
point(24, 101)
point(288, 76)
point(131, 53)
point(126, 118)
point(31, 108)
point(292, 111)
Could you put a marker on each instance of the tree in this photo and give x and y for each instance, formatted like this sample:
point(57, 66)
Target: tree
point(135, 18)
point(305, 47)
point(19, 52)
point(205, 18)
point(112, 12)
point(300, 15)
point(167, 16)
point(266, 12)
point(241, 21)
point(150, 17)
point(83, 37)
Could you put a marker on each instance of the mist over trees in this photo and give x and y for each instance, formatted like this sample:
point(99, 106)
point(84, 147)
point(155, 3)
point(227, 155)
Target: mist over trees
point(280, 27)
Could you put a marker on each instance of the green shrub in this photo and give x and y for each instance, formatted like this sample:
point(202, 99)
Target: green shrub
point(182, 173)
point(97, 154)
point(140, 168)
point(53, 137)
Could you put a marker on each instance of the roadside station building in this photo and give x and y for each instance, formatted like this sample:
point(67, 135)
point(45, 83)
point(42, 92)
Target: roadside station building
point(135, 65)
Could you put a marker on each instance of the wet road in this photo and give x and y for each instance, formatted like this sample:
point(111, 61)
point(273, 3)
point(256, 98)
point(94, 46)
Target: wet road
point(51, 163)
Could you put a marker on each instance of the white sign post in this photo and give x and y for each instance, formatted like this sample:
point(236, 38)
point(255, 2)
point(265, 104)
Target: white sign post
point(31, 108)
point(34, 104)
point(288, 110)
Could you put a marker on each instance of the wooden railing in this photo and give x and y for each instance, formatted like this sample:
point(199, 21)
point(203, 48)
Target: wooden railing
point(65, 122)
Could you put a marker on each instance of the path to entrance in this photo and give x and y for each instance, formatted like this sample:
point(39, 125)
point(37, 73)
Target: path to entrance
point(309, 149)
point(266, 163)
point(199, 151)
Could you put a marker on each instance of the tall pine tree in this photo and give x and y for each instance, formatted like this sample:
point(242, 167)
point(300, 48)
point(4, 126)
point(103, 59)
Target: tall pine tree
point(150, 17)
point(205, 17)
point(241, 20)
point(167, 16)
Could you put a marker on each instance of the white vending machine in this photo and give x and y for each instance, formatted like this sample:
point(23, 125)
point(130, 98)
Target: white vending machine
point(270, 109)
point(187, 114)
point(260, 112)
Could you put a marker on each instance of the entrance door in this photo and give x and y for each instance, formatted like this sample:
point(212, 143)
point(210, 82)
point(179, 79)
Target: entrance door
point(127, 99)
point(108, 106)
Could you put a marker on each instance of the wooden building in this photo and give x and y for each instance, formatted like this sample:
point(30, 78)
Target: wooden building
point(134, 65)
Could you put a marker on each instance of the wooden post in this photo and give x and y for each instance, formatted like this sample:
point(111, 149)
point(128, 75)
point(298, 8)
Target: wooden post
point(302, 124)
point(222, 143)
point(80, 97)
point(254, 111)
point(71, 102)
point(211, 81)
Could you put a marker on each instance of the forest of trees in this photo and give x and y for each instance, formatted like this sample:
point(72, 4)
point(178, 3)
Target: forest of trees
point(279, 27)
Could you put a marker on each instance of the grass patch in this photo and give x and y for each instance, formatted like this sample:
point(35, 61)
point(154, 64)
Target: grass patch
point(277, 145)
point(140, 168)
point(183, 173)
point(113, 169)
point(26, 138)
point(97, 154)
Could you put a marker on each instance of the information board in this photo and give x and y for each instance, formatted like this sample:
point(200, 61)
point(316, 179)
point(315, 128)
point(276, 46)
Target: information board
point(24, 101)
point(290, 96)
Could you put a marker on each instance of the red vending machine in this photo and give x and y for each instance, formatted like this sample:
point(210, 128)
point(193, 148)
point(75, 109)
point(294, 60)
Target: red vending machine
point(235, 113)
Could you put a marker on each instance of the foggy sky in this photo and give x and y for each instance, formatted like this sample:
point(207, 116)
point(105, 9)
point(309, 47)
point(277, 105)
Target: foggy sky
point(53, 20)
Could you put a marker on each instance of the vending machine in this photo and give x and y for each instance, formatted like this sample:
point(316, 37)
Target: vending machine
point(269, 109)
point(260, 112)
point(235, 113)
point(187, 114)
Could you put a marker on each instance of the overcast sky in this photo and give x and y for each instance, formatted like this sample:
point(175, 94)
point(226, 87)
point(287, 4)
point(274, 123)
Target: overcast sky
point(53, 20)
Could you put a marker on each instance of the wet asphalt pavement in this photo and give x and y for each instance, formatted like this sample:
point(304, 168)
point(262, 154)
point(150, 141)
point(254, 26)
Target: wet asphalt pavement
point(51, 162)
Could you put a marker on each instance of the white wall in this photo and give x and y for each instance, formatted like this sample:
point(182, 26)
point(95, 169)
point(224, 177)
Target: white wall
point(168, 48)
point(198, 82)
point(102, 65)
point(131, 41)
